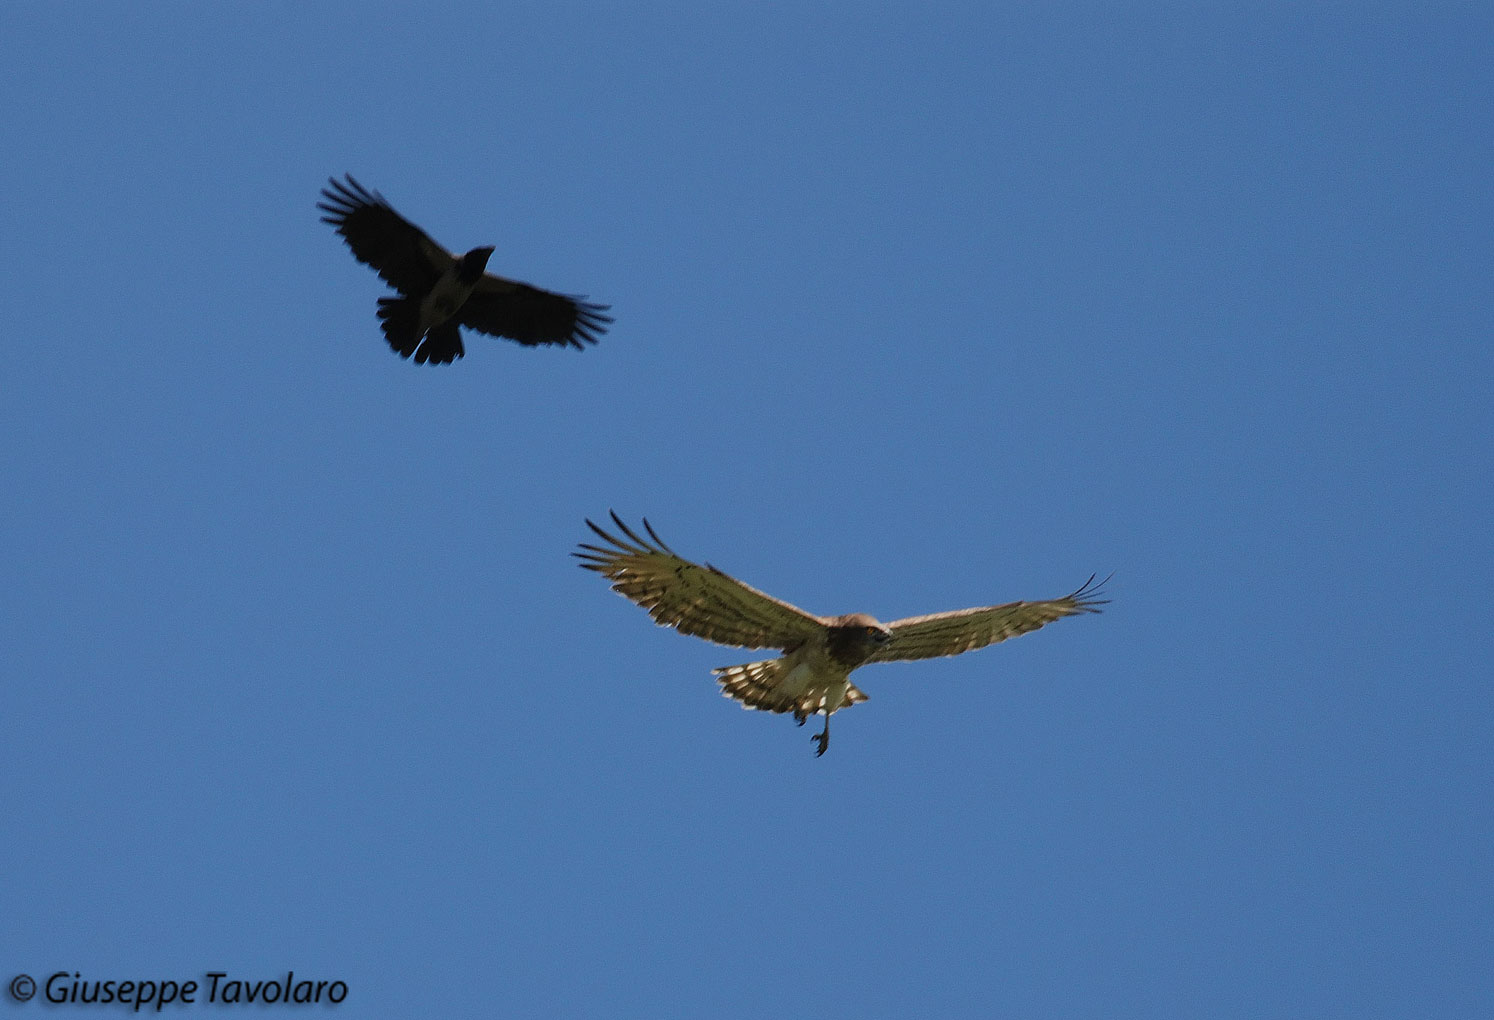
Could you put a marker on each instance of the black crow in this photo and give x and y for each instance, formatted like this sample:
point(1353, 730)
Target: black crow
point(439, 291)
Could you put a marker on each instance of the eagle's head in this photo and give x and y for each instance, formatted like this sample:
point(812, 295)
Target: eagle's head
point(854, 637)
point(473, 263)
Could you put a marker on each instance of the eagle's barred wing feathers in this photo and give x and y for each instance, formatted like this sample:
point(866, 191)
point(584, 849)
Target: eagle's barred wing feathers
point(938, 634)
point(695, 599)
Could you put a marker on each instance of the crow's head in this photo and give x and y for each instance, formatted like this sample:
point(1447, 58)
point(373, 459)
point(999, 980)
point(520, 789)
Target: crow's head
point(473, 263)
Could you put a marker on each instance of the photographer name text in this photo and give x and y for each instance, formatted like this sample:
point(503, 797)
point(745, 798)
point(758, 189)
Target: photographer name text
point(216, 988)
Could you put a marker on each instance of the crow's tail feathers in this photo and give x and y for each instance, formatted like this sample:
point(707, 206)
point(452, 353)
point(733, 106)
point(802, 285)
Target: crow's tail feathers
point(401, 317)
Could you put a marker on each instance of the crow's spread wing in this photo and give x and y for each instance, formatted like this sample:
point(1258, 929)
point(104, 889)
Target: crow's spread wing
point(398, 250)
point(927, 637)
point(531, 316)
point(693, 598)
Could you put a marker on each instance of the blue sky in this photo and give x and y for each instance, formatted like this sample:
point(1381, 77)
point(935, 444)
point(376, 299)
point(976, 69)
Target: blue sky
point(917, 308)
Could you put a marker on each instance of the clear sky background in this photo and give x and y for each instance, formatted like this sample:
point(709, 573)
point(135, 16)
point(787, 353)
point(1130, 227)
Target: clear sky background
point(918, 308)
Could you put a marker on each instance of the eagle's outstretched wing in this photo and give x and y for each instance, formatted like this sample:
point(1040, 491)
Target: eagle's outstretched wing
point(398, 250)
point(517, 311)
point(927, 637)
point(693, 598)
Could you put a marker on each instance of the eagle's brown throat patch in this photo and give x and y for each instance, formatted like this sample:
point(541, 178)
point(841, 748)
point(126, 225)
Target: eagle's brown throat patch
point(848, 643)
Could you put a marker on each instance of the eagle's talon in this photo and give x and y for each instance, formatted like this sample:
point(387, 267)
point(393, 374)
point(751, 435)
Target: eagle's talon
point(822, 740)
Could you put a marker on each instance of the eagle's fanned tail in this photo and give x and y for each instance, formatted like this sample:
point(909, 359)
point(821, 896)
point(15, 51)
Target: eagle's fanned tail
point(756, 686)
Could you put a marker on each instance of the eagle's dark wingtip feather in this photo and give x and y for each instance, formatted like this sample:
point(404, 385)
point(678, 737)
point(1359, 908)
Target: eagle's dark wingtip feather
point(597, 561)
point(1087, 599)
point(655, 536)
point(641, 543)
point(617, 545)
